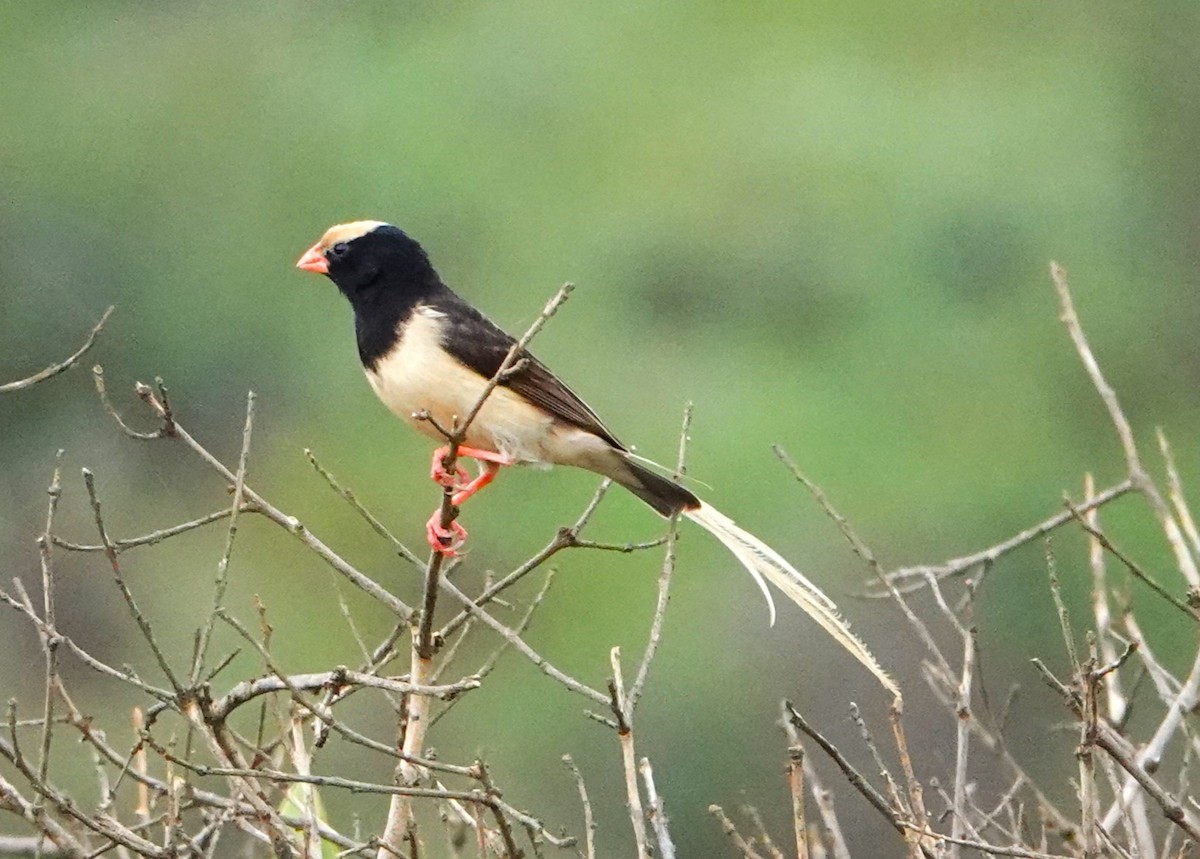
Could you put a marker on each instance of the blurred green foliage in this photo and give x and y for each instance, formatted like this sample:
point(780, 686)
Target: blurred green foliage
point(826, 224)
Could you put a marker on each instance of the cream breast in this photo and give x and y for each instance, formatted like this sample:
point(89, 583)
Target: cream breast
point(418, 374)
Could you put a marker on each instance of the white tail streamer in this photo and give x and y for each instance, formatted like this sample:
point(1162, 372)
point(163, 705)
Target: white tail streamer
point(765, 564)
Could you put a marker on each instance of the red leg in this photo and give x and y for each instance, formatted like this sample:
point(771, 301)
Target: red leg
point(446, 541)
point(487, 473)
point(485, 455)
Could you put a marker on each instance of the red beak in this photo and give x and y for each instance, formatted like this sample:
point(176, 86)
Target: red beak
point(314, 260)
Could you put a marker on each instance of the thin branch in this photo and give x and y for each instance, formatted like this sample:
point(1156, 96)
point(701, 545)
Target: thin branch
point(289, 523)
point(744, 847)
point(153, 537)
point(371, 519)
point(664, 577)
point(1137, 473)
point(142, 623)
point(563, 539)
point(101, 390)
point(589, 824)
point(58, 835)
point(524, 649)
point(52, 634)
point(490, 662)
point(795, 778)
point(657, 812)
point(49, 645)
point(61, 366)
point(633, 798)
point(221, 579)
point(911, 578)
point(248, 690)
point(852, 775)
point(515, 355)
point(1138, 573)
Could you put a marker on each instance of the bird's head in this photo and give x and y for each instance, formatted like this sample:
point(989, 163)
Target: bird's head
point(362, 255)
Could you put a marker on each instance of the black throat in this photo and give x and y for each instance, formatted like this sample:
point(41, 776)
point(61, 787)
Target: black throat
point(380, 308)
point(384, 274)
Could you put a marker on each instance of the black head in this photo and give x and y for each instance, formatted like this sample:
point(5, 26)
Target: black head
point(366, 258)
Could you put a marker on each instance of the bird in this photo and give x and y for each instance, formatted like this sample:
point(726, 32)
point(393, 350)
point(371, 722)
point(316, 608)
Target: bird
point(430, 355)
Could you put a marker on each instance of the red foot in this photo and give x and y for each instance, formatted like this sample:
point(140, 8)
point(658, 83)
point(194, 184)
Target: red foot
point(439, 475)
point(445, 541)
point(448, 541)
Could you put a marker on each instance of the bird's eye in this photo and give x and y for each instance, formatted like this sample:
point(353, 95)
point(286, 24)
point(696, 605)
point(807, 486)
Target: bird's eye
point(339, 250)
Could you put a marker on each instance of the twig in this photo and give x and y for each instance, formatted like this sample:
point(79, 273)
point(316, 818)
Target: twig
point(289, 523)
point(98, 378)
point(763, 835)
point(371, 519)
point(621, 709)
point(61, 838)
point(142, 623)
point(1115, 700)
point(103, 826)
point(86, 658)
point(1138, 573)
point(248, 690)
point(61, 366)
point(825, 807)
point(1128, 758)
point(795, 778)
point(852, 775)
point(744, 847)
point(911, 578)
point(589, 824)
point(564, 538)
point(524, 649)
point(656, 812)
point(897, 799)
point(664, 577)
point(490, 662)
point(860, 548)
point(1175, 493)
point(485, 780)
point(516, 355)
point(220, 580)
point(49, 645)
point(153, 537)
point(1137, 473)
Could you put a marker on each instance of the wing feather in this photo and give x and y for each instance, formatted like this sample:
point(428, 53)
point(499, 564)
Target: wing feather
point(481, 345)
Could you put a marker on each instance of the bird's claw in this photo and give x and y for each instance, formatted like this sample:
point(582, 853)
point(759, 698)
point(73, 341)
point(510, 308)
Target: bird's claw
point(439, 475)
point(445, 540)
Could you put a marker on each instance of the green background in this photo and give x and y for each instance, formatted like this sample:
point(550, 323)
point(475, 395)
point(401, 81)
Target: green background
point(828, 225)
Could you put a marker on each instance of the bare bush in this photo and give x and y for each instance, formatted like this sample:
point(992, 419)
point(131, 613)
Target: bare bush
point(208, 769)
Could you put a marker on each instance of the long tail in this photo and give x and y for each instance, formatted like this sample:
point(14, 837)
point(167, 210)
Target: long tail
point(762, 562)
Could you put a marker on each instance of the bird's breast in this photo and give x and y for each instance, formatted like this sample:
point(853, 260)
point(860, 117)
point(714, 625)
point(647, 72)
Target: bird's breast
point(419, 375)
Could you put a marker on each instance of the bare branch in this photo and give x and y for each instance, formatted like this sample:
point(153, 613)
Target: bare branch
point(61, 366)
point(141, 620)
point(744, 847)
point(911, 578)
point(220, 580)
point(1137, 473)
point(656, 812)
point(589, 824)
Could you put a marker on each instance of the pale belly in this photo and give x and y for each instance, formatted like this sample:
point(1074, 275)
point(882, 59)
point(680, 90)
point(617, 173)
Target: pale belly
point(419, 376)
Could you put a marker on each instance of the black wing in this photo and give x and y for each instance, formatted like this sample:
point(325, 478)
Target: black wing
point(482, 345)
